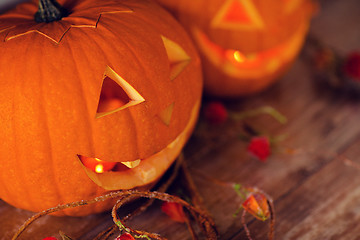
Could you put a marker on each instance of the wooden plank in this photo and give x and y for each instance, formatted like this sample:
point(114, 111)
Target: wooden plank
point(324, 206)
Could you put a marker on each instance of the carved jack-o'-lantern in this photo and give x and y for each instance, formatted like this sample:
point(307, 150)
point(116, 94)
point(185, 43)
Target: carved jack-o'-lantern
point(103, 99)
point(245, 44)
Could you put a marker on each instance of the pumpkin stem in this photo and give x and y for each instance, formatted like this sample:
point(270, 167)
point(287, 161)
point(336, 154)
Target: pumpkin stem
point(49, 11)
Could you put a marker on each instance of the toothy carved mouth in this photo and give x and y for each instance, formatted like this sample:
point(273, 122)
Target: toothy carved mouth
point(235, 64)
point(99, 166)
point(130, 174)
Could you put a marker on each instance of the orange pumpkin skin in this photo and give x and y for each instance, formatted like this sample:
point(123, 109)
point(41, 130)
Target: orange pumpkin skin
point(245, 45)
point(52, 77)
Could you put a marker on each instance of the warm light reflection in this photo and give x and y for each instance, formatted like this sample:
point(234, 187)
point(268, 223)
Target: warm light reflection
point(235, 57)
point(99, 168)
point(96, 165)
point(251, 65)
point(150, 168)
point(239, 57)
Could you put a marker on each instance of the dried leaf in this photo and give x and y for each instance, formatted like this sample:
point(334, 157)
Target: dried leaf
point(174, 211)
point(215, 113)
point(257, 205)
point(64, 236)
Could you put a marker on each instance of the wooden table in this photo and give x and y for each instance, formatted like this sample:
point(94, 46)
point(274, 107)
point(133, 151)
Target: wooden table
point(315, 191)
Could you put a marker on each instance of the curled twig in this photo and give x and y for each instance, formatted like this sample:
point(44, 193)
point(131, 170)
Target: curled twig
point(349, 162)
point(206, 223)
point(270, 203)
point(259, 111)
point(162, 188)
point(196, 199)
point(247, 231)
point(28, 222)
point(125, 196)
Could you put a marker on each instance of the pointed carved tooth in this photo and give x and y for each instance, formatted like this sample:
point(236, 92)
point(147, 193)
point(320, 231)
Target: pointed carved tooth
point(166, 114)
point(174, 143)
point(132, 164)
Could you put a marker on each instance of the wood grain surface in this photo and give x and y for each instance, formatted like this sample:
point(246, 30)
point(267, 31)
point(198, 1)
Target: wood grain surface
point(315, 191)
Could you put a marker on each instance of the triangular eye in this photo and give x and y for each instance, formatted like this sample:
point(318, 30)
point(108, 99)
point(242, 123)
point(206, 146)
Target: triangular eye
point(166, 114)
point(116, 94)
point(291, 5)
point(178, 58)
point(237, 14)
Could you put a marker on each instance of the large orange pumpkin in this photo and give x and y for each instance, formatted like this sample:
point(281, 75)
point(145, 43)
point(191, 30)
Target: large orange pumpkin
point(245, 44)
point(115, 85)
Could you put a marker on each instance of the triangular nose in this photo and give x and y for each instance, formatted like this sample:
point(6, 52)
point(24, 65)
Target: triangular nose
point(238, 14)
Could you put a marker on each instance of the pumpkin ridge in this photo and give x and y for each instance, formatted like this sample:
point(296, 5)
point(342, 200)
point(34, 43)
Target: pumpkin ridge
point(152, 25)
point(45, 124)
point(129, 112)
point(90, 112)
point(136, 132)
point(139, 64)
point(153, 90)
point(20, 178)
point(87, 110)
point(17, 161)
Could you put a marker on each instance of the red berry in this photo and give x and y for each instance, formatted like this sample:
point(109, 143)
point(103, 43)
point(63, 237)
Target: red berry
point(259, 147)
point(216, 113)
point(352, 65)
point(50, 238)
point(174, 211)
point(125, 236)
point(324, 59)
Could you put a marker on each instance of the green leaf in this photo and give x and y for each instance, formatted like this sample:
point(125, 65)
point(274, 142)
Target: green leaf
point(262, 110)
point(64, 236)
point(239, 190)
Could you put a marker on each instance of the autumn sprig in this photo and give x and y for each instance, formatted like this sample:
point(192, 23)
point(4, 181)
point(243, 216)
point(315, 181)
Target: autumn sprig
point(196, 213)
point(257, 203)
point(259, 145)
point(332, 70)
point(216, 113)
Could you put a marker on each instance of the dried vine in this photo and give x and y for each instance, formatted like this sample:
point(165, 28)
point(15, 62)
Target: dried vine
point(108, 232)
point(201, 217)
point(270, 202)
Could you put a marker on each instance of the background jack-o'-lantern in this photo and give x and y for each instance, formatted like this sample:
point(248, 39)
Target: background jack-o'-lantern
point(103, 99)
point(245, 44)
